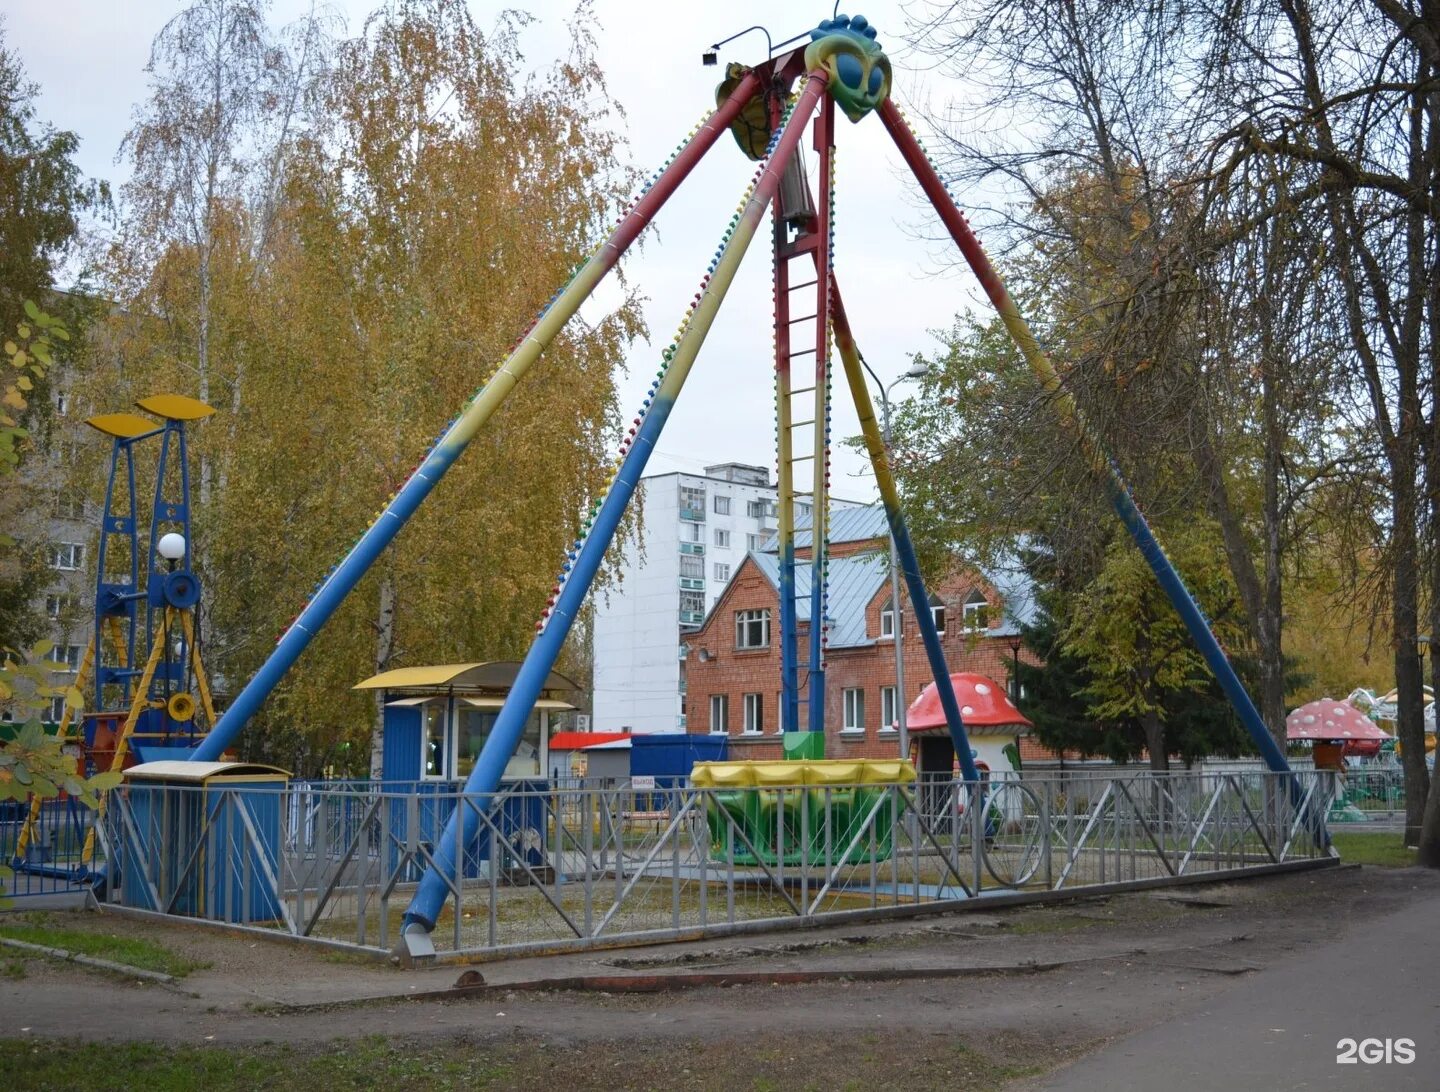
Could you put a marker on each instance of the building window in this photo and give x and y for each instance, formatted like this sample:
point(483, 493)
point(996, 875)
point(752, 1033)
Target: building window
point(854, 700)
point(692, 608)
point(66, 556)
point(722, 572)
point(690, 565)
point(755, 509)
point(722, 505)
point(58, 605)
point(977, 612)
point(69, 506)
point(692, 532)
point(754, 713)
point(887, 619)
point(692, 503)
point(802, 510)
point(754, 542)
point(722, 538)
point(752, 629)
point(719, 712)
point(66, 658)
point(57, 710)
point(889, 714)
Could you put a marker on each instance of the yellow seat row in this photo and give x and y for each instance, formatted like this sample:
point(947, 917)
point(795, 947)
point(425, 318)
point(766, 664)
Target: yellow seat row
point(739, 775)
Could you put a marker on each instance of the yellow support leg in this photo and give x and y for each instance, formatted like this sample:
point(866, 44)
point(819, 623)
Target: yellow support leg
point(27, 832)
point(206, 701)
point(122, 744)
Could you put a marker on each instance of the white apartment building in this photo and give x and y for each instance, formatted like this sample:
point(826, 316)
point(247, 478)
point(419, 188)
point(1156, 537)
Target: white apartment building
point(696, 530)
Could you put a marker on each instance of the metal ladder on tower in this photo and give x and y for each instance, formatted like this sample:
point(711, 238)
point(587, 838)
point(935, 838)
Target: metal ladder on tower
point(802, 389)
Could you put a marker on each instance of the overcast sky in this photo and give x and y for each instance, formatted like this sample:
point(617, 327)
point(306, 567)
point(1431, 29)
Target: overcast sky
point(88, 56)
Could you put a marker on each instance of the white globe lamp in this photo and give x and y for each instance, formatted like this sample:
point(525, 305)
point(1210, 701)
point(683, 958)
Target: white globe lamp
point(171, 546)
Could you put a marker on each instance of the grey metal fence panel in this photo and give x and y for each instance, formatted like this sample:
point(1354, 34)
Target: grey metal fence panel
point(582, 863)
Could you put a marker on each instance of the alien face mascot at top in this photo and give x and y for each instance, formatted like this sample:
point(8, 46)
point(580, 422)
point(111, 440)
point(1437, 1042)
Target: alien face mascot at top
point(859, 70)
point(859, 79)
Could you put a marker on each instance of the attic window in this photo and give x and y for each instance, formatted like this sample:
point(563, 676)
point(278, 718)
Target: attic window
point(977, 612)
point(887, 617)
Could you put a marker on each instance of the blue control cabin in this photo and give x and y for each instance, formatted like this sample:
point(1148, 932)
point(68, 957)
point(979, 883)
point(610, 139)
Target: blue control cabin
point(437, 719)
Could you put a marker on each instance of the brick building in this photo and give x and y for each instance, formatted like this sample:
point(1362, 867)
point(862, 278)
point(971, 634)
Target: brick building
point(732, 662)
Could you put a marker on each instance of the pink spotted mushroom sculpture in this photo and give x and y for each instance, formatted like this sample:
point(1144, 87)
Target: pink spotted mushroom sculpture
point(1328, 721)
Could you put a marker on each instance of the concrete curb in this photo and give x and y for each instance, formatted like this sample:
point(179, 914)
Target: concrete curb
point(88, 961)
point(467, 986)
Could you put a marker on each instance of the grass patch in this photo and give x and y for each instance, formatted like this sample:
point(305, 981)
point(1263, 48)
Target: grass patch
point(132, 951)
point(13, 968)
point(931, 1062)
point(1045, 922)
point(1384, 850)
point(367, 1064)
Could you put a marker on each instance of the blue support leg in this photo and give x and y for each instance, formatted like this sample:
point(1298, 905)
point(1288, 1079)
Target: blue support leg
point(434, 887)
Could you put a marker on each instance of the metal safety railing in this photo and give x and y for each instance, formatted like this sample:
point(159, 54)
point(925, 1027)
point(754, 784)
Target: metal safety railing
point(587, 863)
point(42, 847)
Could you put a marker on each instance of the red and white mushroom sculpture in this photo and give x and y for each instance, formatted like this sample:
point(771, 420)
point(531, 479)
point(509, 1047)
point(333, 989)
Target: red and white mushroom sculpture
point(983, 703)
point(1331, 719)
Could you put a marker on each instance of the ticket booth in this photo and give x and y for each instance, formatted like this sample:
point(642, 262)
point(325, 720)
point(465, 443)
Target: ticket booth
point(436, 722)
point(437, 719)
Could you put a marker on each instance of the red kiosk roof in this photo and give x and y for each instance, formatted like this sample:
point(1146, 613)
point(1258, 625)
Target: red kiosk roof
point(578, 741)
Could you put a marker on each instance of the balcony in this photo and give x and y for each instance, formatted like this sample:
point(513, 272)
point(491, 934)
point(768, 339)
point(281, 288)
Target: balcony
point(694, 515)
point(697, 548)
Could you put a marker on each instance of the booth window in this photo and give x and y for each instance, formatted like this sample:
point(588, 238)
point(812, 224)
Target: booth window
point(435, 757)
point(475, 727)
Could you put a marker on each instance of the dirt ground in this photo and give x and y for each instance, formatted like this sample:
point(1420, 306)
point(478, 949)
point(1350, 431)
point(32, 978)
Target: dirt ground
point(983, 999)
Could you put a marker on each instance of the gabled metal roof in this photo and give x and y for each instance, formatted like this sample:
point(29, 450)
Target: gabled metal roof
point(855, 524)
point(867, 523)
point(854, 581)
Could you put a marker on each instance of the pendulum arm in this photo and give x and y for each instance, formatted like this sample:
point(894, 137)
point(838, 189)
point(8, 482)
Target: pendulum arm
point(362, 555)
point(1120, 497)
point(430, 895)
point(904, 548)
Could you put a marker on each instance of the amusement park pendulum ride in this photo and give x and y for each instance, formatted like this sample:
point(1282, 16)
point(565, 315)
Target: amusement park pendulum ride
point(768, 108)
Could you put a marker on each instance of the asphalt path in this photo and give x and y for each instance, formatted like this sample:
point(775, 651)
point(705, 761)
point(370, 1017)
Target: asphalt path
point(1280, 1029)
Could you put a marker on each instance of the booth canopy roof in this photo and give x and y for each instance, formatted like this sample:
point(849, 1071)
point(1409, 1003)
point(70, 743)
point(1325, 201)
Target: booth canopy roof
point(1330, 719)
point(983, 704)
point(172, 769)
point(494, 675)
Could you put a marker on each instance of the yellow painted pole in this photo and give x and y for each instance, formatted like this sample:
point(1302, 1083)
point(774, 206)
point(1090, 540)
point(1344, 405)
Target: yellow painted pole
point(27, 831)
point(122, 744)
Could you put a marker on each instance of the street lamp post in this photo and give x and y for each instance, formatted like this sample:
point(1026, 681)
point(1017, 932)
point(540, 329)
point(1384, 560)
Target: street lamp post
point(917, 370)
point(1015, 642)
